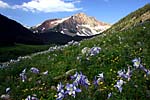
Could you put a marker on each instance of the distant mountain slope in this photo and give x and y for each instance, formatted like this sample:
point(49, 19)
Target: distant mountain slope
point(135, 18)
point(11, 32)
point(77, 25)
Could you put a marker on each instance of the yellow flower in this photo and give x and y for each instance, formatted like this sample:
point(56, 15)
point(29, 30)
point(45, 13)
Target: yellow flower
point(55, 96)
point(111, 70)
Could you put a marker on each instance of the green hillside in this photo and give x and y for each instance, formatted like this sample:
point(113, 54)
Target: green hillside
point(133, 19)
point(118, 49)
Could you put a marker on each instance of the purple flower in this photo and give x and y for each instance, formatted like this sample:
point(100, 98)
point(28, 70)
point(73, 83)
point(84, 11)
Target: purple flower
point(75, 75)
point(60, 95)
point(129, 74)
point(35, 70)
point(148, 72)
point(124, 74)
point(23, 75)
point(84, 81)
point(96, 81)
point(109, 95)
point(143, 68)
point(71, 89)
point(136, 62)
point(94, 51)
point(80, 79)
point(119, 85)
point(99, 79)
point(59, 87)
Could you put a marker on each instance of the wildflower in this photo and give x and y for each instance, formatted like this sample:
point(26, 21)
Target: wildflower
point(29, 97)
point(23, 75)
point(45, 73)
point(60, 95)
point(129, 74)
point(7, 90)
point(119, 85)
point(80, 79)
point(94, 51)
point(59, 87)
point(136, 62)
point(85, 50)
point(124, 74)
point(148, 72)
point(75, 75)
point(96, 81)
point(35, 70)
point(5, 97)
point(84, 81)
point(100, 78)
point(71, 89)
point(143, 68)
point(109, 95)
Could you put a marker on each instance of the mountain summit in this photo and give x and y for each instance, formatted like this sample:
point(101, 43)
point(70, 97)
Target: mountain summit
point(77, 25)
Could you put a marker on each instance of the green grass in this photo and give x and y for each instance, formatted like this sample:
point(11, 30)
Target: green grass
point(133, 19)
point(12, 52)
point(118, 49)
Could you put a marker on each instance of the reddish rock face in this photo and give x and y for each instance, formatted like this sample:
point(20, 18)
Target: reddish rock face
point(78, 24)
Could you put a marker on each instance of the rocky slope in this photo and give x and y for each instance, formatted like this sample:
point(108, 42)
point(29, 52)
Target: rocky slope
point(77, 25)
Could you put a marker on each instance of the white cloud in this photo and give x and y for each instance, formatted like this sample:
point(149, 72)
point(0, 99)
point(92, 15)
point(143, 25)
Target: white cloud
point(48, 6)
point(3, 4)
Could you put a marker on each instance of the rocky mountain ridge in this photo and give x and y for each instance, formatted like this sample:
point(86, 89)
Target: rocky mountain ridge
point(77, 25)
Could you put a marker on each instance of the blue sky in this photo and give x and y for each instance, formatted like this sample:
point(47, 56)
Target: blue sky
point(32, 12)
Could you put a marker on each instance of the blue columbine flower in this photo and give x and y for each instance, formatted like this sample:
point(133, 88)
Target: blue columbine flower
point(23, 75)
point(35, 70)
point(80, 79)
point(99, 79)
point(119, 85)
point(136, 62)
point(109, 95)
point(148, 72)
point(71, 89)
point(84, 81)
point(129, 74)
point(59, 87)
point(96, 81)
point(94, 51)
point(124, 74)
point(60, 95)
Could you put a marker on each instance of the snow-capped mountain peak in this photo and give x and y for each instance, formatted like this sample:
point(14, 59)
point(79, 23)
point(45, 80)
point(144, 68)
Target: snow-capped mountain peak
point(77, 25)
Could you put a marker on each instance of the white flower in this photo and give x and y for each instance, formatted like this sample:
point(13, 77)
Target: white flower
point(45, 73)
point(7, 90)
point(85, 50)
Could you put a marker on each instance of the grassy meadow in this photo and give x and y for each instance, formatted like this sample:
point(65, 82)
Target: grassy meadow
point(14, 51)
point(117, 52)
